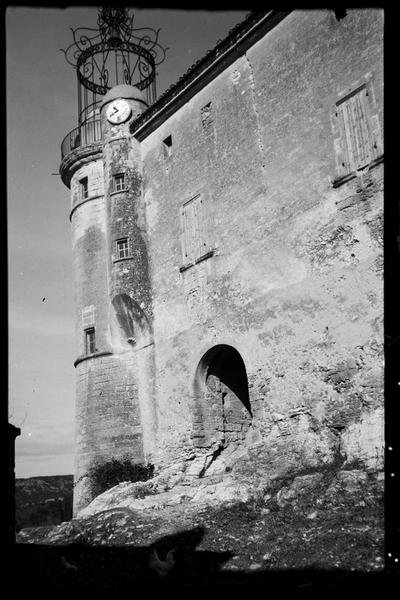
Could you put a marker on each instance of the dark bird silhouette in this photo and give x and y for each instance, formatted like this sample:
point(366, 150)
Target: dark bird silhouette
point(161, 568)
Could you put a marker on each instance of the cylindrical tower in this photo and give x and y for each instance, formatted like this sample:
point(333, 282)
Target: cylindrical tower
point(101, 165)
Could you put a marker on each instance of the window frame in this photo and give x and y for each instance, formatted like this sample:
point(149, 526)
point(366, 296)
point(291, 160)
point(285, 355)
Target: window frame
point(90, 342)
point(84, 188)
point(127, 249)
point(115, 182)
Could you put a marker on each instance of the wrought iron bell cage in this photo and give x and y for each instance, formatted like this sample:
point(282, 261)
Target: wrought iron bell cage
point(112, 54)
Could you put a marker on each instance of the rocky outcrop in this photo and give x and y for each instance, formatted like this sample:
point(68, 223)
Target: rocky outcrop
point(224, 489)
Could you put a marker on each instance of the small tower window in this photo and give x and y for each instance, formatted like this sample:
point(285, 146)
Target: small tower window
point(83, 188)
point(119, 183)
point(167, 143)
point(90, 341)
point(122, 248)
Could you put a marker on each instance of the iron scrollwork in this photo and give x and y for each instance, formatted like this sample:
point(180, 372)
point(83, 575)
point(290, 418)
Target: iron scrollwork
point(115, 53)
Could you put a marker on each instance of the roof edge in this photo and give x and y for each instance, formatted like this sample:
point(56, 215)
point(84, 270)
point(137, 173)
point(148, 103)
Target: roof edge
point(239, 39)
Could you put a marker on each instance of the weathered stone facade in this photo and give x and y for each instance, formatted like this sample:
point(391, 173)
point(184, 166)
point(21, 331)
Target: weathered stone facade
point(254, 295)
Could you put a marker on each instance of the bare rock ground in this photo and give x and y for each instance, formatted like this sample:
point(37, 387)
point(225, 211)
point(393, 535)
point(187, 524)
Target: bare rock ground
point(308, 532)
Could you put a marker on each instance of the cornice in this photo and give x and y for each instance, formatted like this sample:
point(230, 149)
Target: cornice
point(239, 39)
point(84, 202)
point(77, 158)
point(91, 356)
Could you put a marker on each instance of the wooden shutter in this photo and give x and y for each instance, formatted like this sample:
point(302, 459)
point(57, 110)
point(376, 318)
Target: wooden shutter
point(194, 230)
point(187, 215)
point(355, 138)
point(197, 227)
point(191, 228)
point(341, 146)
point(358, 126)
point(204, 226)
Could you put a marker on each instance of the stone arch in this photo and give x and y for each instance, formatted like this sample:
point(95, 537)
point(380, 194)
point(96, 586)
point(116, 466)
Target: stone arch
point(221, 409)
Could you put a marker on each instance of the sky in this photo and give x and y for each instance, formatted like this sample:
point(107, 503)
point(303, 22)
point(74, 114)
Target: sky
point(41, 109)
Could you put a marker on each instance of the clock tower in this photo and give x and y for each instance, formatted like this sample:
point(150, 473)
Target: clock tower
point(101, 165)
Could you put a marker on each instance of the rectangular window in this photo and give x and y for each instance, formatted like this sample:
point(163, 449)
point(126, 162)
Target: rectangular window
point(167, 144)
point(119, 182)
point(83, 188)
point(357, 144)
point(122, 248)
point(90, 341)
point(194, 230)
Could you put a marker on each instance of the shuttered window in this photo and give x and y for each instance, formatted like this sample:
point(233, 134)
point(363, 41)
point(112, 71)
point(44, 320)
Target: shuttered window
point(194, 230)
point(357, 143)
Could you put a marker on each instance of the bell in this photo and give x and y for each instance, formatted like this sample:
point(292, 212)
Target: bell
point(114, 38)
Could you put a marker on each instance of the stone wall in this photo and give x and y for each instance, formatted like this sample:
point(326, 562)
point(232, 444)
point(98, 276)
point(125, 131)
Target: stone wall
point(108, 418)
point(293, 276)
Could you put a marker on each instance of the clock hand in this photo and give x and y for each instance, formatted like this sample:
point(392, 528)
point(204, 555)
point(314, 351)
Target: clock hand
point(115, 110)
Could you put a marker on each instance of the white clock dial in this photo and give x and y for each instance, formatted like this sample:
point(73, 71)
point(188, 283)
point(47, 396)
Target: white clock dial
point(118, 111)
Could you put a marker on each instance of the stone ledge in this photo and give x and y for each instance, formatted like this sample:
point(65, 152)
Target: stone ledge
point(78, 158)
point(89, 356)
point(345, 178)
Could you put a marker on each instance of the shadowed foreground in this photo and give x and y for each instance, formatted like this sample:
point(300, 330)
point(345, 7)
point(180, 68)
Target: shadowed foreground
point(125, 569)
point(306, 546)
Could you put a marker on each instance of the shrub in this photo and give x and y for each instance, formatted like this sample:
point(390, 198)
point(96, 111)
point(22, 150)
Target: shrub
point(111, 473)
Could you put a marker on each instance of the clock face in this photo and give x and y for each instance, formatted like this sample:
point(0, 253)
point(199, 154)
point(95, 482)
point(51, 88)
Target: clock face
point(118, 111)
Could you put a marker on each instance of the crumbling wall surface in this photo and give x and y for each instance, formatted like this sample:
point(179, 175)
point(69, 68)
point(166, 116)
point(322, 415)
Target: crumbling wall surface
point(293, 280)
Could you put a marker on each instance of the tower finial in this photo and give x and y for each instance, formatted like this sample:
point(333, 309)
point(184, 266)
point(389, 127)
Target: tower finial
point(112, 22)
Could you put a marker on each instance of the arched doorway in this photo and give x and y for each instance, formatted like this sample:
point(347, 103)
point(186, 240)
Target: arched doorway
point(222, 411)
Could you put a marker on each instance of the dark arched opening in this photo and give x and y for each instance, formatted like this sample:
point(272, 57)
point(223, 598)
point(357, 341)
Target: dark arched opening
point(228, 368)
point(222, 411)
